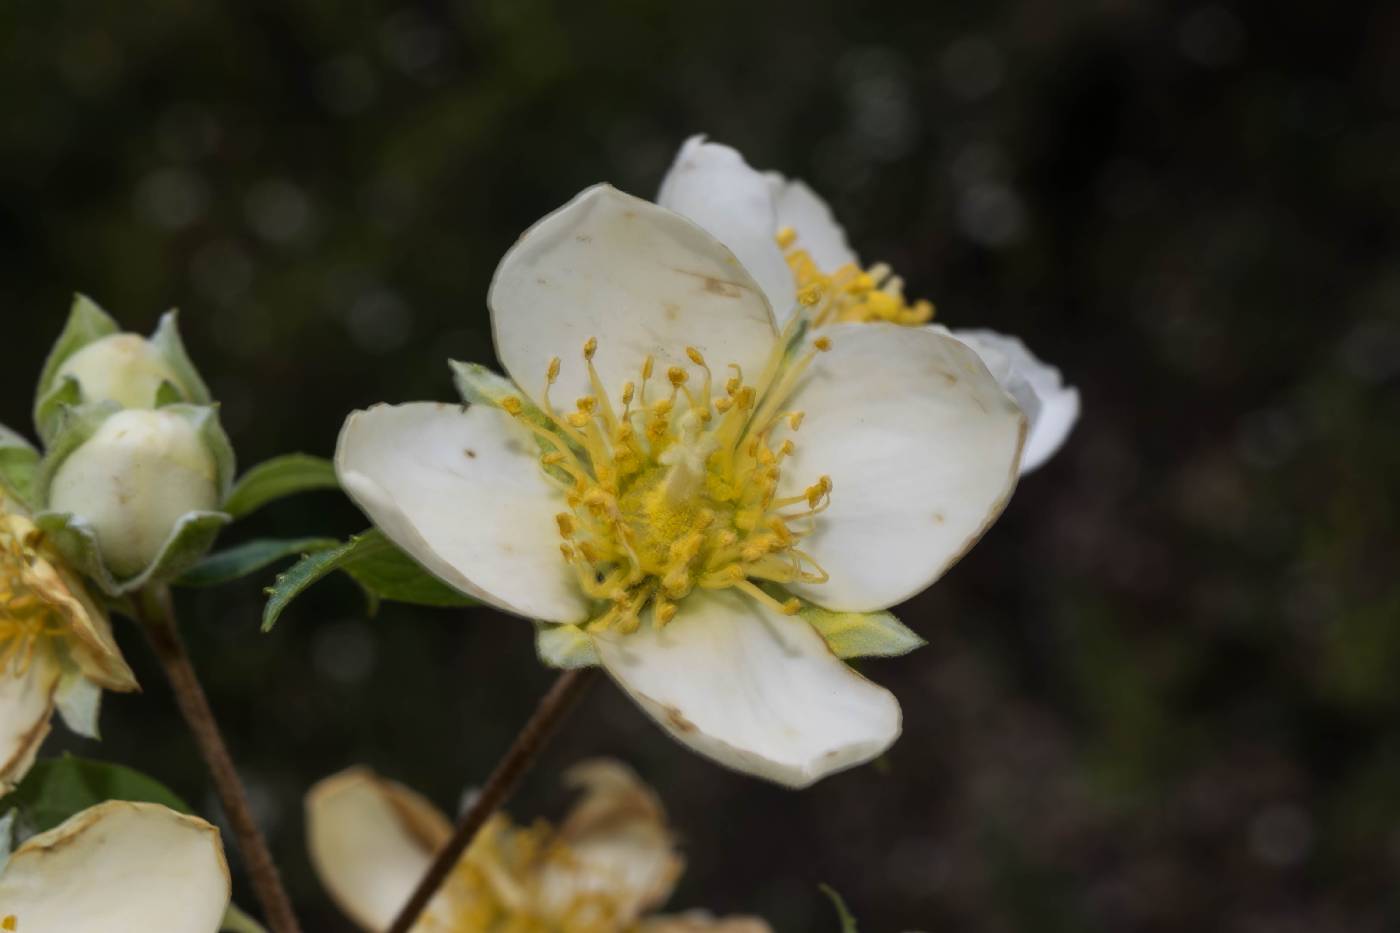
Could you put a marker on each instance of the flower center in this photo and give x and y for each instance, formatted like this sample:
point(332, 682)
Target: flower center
point(850, 294)
point(27, 619)
point(675, 488)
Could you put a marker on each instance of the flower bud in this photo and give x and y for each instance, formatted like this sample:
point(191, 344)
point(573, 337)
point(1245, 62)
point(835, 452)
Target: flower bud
point(133, 480)
point(122, 368)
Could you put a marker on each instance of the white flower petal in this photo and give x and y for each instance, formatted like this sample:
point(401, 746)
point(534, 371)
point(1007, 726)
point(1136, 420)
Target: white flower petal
point(818, 232)
point(371, 840)
point(79, 702)
point(753, 689)
point(713, 186)
point(1051, 407)
point(641, 279)
point(26, 706)
point(921, 445)
point(463, 493)
point(118, 867)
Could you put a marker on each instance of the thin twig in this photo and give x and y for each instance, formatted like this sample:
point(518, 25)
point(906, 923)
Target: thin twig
point(158, 614)
point(552, 709)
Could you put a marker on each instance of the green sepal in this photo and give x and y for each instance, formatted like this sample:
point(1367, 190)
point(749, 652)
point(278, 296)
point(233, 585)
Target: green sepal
point(843, 913)
point(166, 340)
point(861, 634)
point(71, 429)
point(564, 646)
point(19, 468)
point(86, 324)
point(190, 539)
point(48, 411)
point(277, 478)
point(381, 569)
point(236, 921)
point(251, 556)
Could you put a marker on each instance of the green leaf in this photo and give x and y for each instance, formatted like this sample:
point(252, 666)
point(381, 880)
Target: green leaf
point(862, 634)
point(56, 788)
point(848, 921)
point(249, 557)
point(565, 646)
point(374, 562)
point(86, 324)
point(279, 477)
point(19, 467)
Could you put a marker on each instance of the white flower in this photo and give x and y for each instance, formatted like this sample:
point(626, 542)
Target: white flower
point(56, 647)
point(787, 236)
point(610, 861)
point(117, 867)
point(673, 520)
point(133, 480)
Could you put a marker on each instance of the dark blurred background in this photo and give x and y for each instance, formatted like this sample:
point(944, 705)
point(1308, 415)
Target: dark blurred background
point(1162, 694)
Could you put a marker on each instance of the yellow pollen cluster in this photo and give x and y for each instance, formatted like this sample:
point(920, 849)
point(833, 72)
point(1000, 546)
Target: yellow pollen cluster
point(27, 618)
point(850, 294)
point(676, 487)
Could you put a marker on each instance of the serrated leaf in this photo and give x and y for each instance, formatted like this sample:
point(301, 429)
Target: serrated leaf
point(862, 634)
point(56, 788)
point(249, 557)
point(565, 646)
point(376, 564)
point(277, 478)
point(848, 920)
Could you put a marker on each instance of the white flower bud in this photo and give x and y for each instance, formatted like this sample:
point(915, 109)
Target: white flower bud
point(122, 368)
point(133, 480)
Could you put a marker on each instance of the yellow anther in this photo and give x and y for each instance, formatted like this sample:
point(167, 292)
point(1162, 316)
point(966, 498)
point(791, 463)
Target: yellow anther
point(794, 419)
point(809, 295)
point(552, 373)
point(792, 607)
point(682, 499)
point(512, 405)
point(822, 343)
point(786, 237)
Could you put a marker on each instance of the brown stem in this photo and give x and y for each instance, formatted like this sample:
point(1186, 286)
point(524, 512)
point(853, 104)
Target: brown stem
point(158, 614)
point(552, 709)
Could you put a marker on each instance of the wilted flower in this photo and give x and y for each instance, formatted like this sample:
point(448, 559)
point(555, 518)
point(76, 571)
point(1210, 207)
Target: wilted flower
point(612, 860)
point(116, 867)
point(787, 236)
point(674, 524)
point(56, 646)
